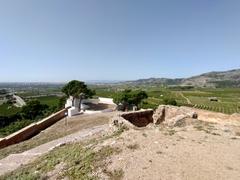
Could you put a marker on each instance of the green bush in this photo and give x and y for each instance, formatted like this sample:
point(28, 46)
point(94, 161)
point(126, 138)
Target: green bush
point(146, 105)
point(129, 98)
point(170, 101)
point(13, 127)
point(61, 102)
point(34, 109)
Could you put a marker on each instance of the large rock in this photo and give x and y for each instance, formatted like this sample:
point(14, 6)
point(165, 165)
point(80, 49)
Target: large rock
point(171, 115)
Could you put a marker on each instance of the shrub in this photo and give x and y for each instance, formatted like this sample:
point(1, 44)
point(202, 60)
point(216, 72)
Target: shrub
point(34, 109)
point(170, 101)
point(14, 126)
point(129, 98)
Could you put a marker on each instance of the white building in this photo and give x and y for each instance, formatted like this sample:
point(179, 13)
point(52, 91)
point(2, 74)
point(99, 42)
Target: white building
point(74, 105)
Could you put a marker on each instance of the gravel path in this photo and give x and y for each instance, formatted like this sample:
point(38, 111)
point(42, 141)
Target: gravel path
point(14, 161)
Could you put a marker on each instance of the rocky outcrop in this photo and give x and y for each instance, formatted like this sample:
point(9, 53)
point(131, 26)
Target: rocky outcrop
point(170, 115)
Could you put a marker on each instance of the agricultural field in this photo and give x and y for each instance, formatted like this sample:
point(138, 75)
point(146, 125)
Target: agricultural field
point(49, 100)
point(228, 99)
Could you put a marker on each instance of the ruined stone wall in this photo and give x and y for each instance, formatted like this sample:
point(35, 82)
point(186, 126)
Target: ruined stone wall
point(164, 114)
point(139, 118)
point(32, 129)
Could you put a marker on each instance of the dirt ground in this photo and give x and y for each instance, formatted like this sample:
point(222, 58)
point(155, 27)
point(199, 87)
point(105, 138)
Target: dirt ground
point(203, 149)
point(60, 129)
point(220, 118)
point(195, 149)
point(199, 151)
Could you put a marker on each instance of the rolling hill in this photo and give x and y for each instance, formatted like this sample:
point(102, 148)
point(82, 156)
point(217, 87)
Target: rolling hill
point(212, 79)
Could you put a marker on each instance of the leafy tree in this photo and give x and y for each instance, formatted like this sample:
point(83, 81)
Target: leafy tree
point(33, 109)
point(6, 120)
point(61, 102)
point(77, 89)
point(129, 97)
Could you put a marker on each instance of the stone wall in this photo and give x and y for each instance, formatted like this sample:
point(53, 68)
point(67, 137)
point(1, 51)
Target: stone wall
point(164, 114)
point(135, 119)
point(32, 129)
point(139, 118)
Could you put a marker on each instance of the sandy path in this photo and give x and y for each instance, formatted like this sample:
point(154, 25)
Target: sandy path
point(14, 161)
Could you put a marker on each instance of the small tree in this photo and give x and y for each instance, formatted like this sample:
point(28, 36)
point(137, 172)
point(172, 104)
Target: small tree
point(61, 102)
point(129, 97)
point(33, 109)
point(77, 89)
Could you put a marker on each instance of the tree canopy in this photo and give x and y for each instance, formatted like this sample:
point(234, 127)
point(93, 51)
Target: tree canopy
point(33, 109)
point(75, 88)
point(129, 97)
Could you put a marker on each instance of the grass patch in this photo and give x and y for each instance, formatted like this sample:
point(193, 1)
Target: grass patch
point(13, 127)
point(79, 163)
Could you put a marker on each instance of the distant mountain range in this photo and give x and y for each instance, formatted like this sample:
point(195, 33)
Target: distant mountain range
point(212, 79)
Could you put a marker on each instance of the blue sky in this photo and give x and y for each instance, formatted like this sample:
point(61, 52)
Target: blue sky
point(60, 40)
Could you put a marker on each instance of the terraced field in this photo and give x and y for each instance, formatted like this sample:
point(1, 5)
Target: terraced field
point(228, 100)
